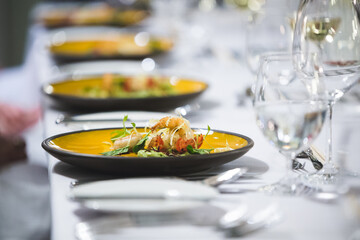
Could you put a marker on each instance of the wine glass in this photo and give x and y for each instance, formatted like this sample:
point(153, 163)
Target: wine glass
point(268, 30)
point(290, 110)
point(246, 5)
point(329, 29)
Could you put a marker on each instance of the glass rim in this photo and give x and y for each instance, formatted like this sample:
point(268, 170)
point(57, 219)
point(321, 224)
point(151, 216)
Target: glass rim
point(280, 54)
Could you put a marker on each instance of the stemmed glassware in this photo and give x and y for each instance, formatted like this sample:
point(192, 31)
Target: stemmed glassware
point(268, 30)
point(290, 110)
point(247, 5)
point(329, 29)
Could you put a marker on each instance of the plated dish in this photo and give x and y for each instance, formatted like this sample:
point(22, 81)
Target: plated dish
point(89, 43)
point(116, 92)
point(165, 148)
point(96, 13)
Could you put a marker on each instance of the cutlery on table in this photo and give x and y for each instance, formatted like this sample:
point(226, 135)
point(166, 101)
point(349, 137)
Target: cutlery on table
point(241, 223)
point(225, 177)
point(213, 181)
point(313, 155)
point(65, 119)
point(298, 166)
point(208, 179)
point(238, 223)
point(187, 110)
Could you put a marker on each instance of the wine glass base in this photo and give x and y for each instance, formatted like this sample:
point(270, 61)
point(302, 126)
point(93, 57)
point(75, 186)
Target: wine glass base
point(329, 174)
point(326, 181)
point(287, 186)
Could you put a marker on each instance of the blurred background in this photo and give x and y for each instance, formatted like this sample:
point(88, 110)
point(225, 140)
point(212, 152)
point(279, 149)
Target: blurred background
point(14, 22)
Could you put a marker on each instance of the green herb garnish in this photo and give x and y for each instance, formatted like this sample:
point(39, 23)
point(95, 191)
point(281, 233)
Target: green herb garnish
point(121, 133)
point(141, 144)
point(192, 150)
point(116, 151)
point(146, 153)
point(207, 131)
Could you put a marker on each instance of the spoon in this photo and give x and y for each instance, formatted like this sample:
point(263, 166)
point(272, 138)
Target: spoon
point(187, 110)
point(237, 223)
point(225, 177)
point(325, 197)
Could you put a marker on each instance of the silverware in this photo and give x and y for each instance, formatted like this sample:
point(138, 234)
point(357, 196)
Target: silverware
point(233, 218)
point(208, 179)
point(236, 190)
point(64, 119)
point(316, 163)
point(187, 110)
point(165, 196)
point(213, 181)
point(225, 177)
point(298, 167)
point(324, 197)
point(309, 154)
point(237, 223)
point(113, 225)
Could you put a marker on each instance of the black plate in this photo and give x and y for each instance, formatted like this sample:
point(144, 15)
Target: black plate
point(108, 104)
point(64, 58)
point(138, 166)
point(163, 103)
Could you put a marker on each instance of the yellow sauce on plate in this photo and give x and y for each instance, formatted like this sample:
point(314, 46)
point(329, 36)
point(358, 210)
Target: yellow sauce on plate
point(98, 141)
point(75, 87)
point(111, 45)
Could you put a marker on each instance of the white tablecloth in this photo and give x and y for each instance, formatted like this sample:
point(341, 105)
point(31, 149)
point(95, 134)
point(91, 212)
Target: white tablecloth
point(219, 108)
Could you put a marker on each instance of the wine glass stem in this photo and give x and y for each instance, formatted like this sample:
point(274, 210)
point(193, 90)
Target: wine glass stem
point(289, 162)
point(329, 158)
point(320, 46)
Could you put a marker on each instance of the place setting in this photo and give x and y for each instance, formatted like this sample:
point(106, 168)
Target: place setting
point(180, 189)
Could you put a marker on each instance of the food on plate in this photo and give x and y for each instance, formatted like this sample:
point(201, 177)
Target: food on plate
point(112, 44)
point(119, 86)
point(173, 134)
point(170, 136)
point(89, 14)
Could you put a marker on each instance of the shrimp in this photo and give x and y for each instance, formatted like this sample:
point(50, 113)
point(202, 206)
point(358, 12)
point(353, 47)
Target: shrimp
point(157, 143)
point(130, 140)
point(107, 81)
point(138, 83)
point(196, 142)
point(173, 133)
point(177, 124)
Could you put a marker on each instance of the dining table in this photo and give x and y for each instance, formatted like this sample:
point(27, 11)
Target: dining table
point(212, 51)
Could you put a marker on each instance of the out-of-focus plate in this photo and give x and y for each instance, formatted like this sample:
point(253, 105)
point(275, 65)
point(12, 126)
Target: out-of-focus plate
point(84, 148)
point(89, 43)
point(135, 195)
point(68, 93)
point(61, 14)
point(109, 119)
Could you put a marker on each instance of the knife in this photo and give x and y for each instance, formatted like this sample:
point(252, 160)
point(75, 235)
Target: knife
point(64, 119)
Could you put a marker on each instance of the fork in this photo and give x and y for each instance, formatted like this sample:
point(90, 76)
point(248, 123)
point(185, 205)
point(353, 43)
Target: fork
point(299, 167)
point(314, 158)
